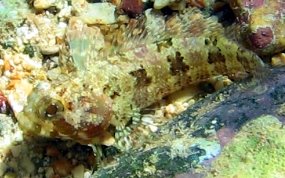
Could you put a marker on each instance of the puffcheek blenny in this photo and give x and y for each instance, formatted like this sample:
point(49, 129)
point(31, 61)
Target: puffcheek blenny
point(53, 113)
point(110, 85)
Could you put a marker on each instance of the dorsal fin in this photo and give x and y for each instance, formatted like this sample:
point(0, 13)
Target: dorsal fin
point(154, 27)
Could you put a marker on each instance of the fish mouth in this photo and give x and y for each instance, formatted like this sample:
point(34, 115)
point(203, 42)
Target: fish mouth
point(87, 133)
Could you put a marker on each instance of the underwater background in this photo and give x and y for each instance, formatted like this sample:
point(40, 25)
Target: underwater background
point(142, 88)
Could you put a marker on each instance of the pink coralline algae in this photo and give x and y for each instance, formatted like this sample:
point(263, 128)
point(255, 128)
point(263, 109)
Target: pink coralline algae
point(132, 7)
point(262, 23)
point(262, 37)
point(225, 135)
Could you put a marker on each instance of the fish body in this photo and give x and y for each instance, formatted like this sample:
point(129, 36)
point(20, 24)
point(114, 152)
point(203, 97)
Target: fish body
point(104, 87)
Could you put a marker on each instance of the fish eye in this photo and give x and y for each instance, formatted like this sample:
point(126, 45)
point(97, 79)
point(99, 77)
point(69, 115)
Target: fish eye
point(50, 108)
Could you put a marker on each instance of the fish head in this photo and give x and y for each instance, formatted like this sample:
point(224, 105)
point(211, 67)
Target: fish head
point(67, 111)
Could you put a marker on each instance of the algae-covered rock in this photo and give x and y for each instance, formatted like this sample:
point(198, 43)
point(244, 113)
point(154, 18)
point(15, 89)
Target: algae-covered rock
point(166, 160)
point(263, 24)
point(12, 10)
point(258, 150)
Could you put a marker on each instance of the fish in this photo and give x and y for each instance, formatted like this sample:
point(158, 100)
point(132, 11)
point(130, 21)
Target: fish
point(102, 84)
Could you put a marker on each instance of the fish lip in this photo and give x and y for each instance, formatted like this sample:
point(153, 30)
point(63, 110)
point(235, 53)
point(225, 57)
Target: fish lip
point(85, 132)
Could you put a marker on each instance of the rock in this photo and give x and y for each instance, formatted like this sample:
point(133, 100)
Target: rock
point(258, 150)
point(78, 171)
point(98, 13)
point(172, 4)
point(49, 50)
point(13, 12)
point(262, 24)
point(261, 38)
point(278, 60)
point(132, 7)
point(43, 4)
point(195, 3)
point(159, 4)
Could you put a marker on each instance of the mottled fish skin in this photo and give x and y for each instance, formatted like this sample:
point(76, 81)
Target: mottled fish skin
point(108, 87)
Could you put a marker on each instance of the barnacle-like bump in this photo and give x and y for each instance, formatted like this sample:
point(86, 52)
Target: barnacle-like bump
point(50, 108)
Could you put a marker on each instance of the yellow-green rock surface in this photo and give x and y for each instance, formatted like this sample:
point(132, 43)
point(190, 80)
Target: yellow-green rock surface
point(258, 150)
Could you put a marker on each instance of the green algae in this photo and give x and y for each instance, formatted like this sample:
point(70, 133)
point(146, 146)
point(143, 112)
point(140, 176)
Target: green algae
point(12, 10)
point(258, 150)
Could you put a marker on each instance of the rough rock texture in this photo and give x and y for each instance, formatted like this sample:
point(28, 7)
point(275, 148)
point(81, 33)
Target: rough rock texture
point(9, 11)
point(43, 4)
point(262, 24)
point(256, 151)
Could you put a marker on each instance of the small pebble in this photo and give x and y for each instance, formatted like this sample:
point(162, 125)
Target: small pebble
point(43, 4)
point(153, 128)
point(278, 60)
point(78, 171)
point(147, 119)
point(62, 167)
point(159, 4)
point(10, 175)
point(171, 109)
point(49, 50)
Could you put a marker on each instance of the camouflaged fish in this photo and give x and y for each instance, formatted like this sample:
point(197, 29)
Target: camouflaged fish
point(102, 88)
